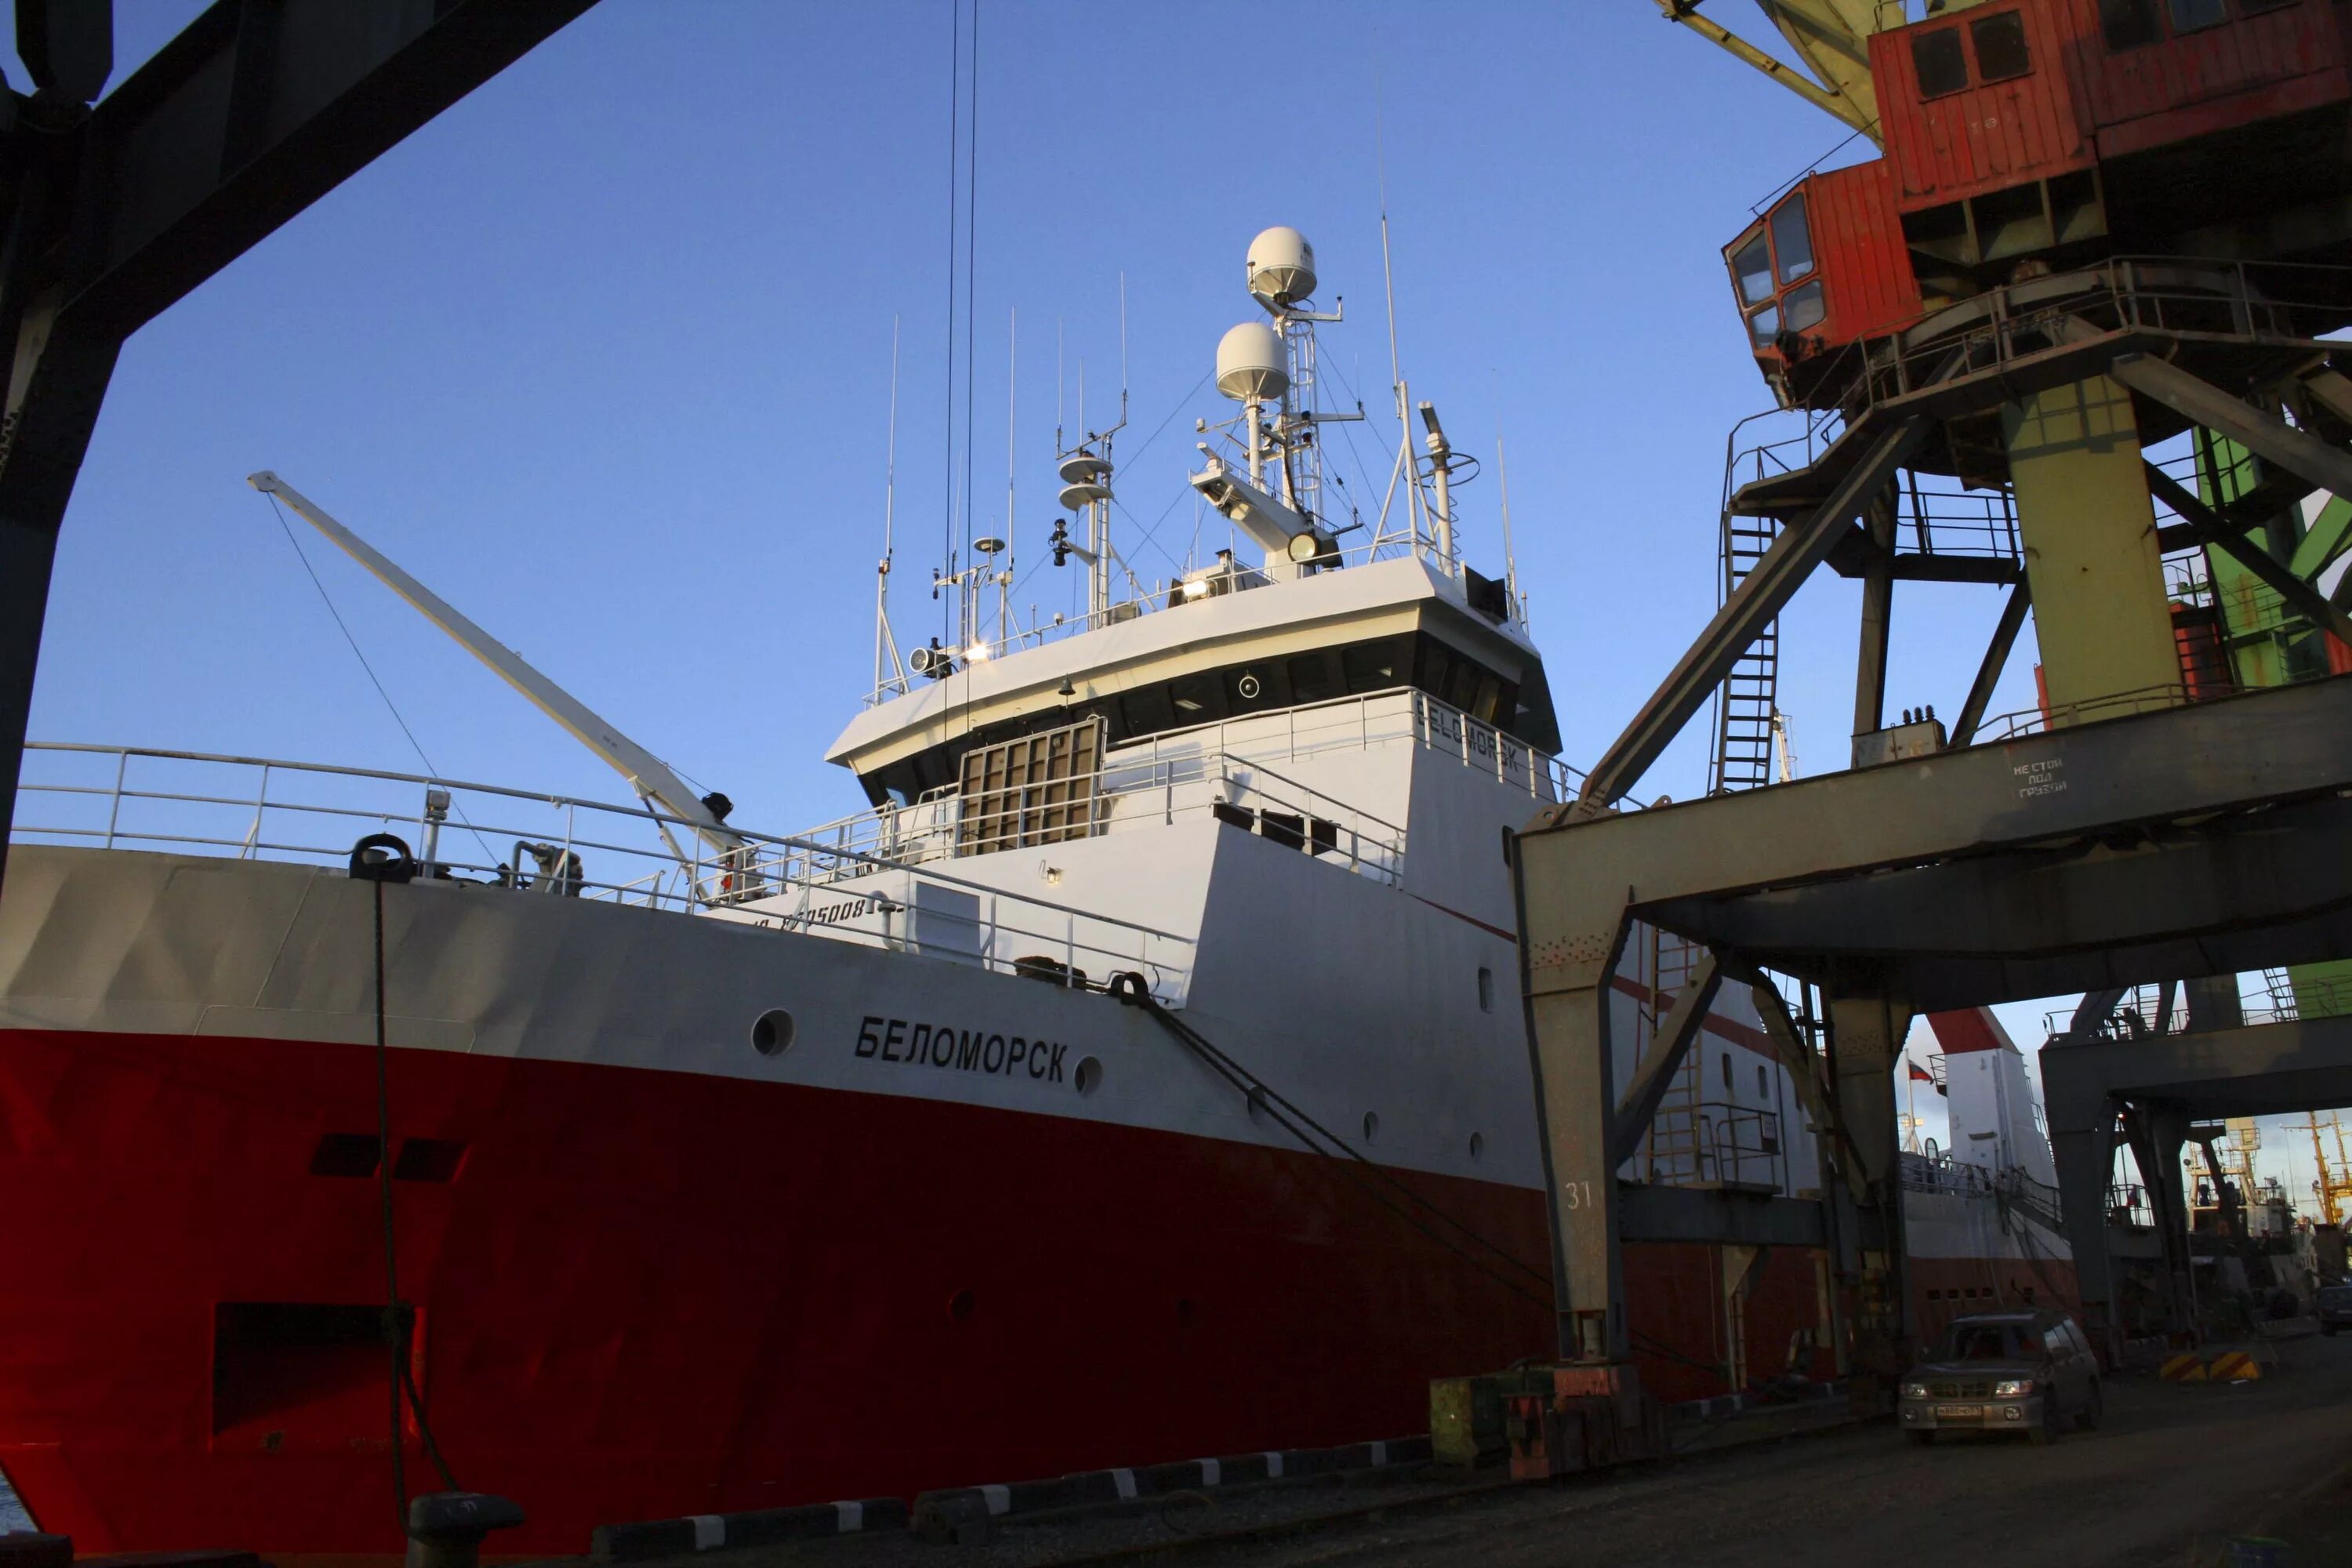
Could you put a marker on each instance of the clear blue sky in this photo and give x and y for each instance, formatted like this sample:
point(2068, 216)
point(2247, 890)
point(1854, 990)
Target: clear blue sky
point(602, 355)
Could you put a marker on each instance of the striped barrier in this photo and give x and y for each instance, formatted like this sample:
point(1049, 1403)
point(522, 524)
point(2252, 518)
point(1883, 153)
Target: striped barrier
point(763, 1527)
point(965, 1513)
point(2212, 1366)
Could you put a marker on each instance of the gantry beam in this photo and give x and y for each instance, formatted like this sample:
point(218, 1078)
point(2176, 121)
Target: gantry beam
point(2289, 742)
point(2185, 840)
point(253, 112)
point(2166, 1082)
point(2133, 905)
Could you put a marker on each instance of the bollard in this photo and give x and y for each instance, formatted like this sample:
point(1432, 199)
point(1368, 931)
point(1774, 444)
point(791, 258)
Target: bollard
point(445, 1528)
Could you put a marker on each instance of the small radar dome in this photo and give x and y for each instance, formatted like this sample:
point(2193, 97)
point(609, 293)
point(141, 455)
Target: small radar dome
point(1251, 363)
point(1281, 267)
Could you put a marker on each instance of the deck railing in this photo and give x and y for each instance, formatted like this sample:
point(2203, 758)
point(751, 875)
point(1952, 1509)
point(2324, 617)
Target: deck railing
point(1238, 753)
point(1131, 790)
point(517, 841)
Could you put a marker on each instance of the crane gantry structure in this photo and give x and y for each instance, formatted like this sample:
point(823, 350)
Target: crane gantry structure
point(2096, 233)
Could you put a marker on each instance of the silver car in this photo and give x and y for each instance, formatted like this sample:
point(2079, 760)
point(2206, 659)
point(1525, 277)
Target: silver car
point(2029, 1371)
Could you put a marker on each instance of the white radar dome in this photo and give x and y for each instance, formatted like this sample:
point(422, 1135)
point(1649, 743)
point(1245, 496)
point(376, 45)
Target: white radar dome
point(1281, 267)
point(1251, 363)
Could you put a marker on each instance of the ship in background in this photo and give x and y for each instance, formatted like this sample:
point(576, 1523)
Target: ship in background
point(734, 1170)
point(1981, 1226)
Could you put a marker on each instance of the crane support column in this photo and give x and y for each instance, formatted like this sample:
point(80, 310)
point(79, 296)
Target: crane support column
point(2091, 554)
point(1866, 1036)
point(1569, 962)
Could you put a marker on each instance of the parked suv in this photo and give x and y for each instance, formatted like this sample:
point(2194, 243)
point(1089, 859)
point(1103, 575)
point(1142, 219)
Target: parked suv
point(2031, 1372)
point(2334, 1308)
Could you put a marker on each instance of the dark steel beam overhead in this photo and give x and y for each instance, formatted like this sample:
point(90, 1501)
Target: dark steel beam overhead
point(1647, 1212)
point(2226, 893)
point(2259, 1069)
point(2279, 744)
point(111, 213)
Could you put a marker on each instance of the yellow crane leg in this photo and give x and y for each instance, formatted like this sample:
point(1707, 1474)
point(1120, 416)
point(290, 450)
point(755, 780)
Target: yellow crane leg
point(2089, 531)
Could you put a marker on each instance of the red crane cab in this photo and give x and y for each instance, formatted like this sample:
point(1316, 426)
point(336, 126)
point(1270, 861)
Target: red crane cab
point(2061, 132)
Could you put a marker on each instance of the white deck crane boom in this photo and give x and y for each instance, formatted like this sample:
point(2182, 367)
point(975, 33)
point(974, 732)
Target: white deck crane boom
point(648, 775)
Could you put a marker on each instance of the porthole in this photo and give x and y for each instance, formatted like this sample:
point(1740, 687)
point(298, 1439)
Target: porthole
point(961, 1304)
point(772, 1035)
point(1088, 1078)
point(1485, 990)
point(1371, 1126)
point(1478, 1145)
point(1257, 1107)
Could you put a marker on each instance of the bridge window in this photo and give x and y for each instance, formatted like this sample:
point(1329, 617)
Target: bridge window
point(1146, 709)
point(2187, 16)
point(1311, 680)
point(2128, 23)
point(1371, 665)
point(1937, 59)
point(2001, 52)
point(1198, 698)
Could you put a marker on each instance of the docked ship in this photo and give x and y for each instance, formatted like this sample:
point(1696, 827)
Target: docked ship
point(1981, 1227)
point(1141, 1074)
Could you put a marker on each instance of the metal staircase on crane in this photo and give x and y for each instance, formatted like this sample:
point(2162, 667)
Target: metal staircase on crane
point(1749, 700)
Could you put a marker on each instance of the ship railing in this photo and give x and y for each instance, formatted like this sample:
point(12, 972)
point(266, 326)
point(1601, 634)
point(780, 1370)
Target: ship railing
point(471, 835)
point(927, 830)
point(1941, 1173)
point(1372, 719)
point(1164, 595)
point(1131, 790)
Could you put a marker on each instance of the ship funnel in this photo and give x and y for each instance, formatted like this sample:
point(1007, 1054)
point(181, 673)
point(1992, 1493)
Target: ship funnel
point(1281, 267)
point(1251, 363)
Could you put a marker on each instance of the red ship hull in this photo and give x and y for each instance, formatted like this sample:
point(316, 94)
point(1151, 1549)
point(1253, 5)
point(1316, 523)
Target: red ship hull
point(642, 1294)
